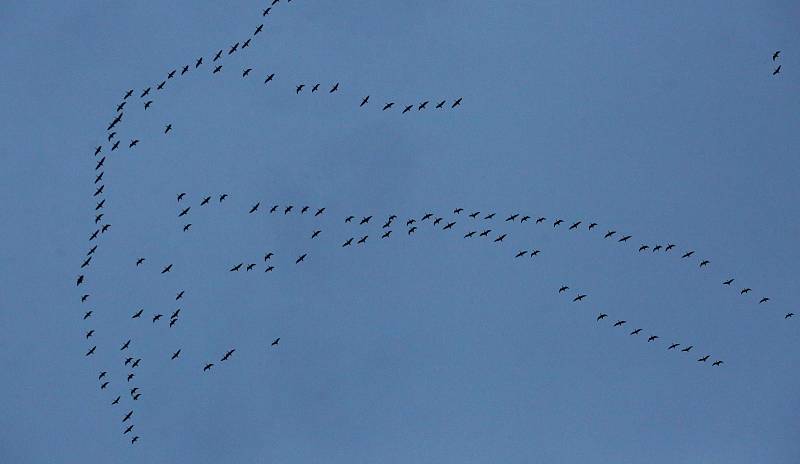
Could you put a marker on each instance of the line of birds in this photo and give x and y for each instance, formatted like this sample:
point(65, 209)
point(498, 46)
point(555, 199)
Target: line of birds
point(775, 57)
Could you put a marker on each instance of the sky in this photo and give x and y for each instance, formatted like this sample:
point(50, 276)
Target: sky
point(663, 122)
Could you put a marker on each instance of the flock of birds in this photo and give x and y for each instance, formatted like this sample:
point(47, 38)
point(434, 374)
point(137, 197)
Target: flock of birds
point(472, 225)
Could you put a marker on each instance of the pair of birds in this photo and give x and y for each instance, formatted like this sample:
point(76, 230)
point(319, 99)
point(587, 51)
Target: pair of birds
point(775, 57)
point(227, 355)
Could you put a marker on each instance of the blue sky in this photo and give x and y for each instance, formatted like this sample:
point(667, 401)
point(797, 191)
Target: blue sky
point(661, 122)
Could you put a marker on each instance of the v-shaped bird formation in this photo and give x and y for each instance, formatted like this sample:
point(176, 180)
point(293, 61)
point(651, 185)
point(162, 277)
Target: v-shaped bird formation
point(333, 232)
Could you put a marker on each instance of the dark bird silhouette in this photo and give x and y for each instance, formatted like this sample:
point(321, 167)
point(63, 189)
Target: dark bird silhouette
point(181, 195)
point(348, 242)
point(130, 427)
point(387, 106)
point(300, 258)
point(777, 70)
point(669, 246)
point(173, 321)
point(166, 269)
point(128, 94)
point(456, 103)
point(449, 225)
point(619, 323)
point(273, 209)
point(127, 416)
point(175, 314)
point(412, 230)
point(125, 345)
point(787, 316)
point(575, 226)
point(176, 354)
point(167, 128)
point(100, 163)
point(485, 233)
point(563, 289)
point(643, 247)
point(80, 280)
point(223, 197)
point(625, 238)
point(233, 48)
point(100, 204)
point(103, 386)
point(87, 315)
point(334, 88)
point(128, 361)
point(137, 314)
point(269, 269)
point(365, 220)
point(139, 261)
point(470, 234)
point(135, 439)
point(92, 250)
point(705, 262)
point(319, 211)
point(704, 358)
point(105, 228)
point(579, 298)
point(315, 234)
point(250, 267)
point(440, 104)
point(362, 239)
point(512, 217)
point(205, 200)
point(266, 12)
point(91, 351)
point(636, 332)
point(186, 227)
point(111, 135)
point(217, 56)
point(136, 363)
point(304, 209)
point(86, 263)
point(386, 225)
point(763, 300)
point(315, 88)
point(185, 70)
point(652, 338)
point(246, 72)
point(475, 214)
point(102, 374)
point(275, 342)
point(602, 316)
point(427, 216)
point(208, 366)
point(288, 209)
point(228, 355)
point(524, 218)
point(258, 29)
point(410, 222)
point(656, 248)
point(98, 178)
point(500, 238)
point(745, 290)
point(217, 69)
point(116, 400)
point(717, 363)
point(775, 55)
point(364, 101)
point(254, 208)
point(268, 256)
point(558, 221)
point(198, 62)
point(84, 297)
point(407, 109)
point(269, 78)
point(673, 346)
point(541, 220)
point(145, 92)
point(130, 376)
point(161, 85)
point(592, 225)
point(246, 43)
point(688, 349)
point(386, 234)
point(157, 317)
point(521, 253)
point(728, 282)
point(299, 88)
point(687, 254)
point(133, 143)
point(94, 235)
point(422, 105)
point(97, 150)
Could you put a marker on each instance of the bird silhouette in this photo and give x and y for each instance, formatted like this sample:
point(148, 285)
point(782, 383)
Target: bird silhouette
point(763, 300)
point(512, 217)
point(166, 269)
point(116, 400)
point(254, 208)
point(440, 104)
point(457, 102)
point(673, 346)
point(625, 238)
point(365, 220)
point(348, 242)
point(422, 105)
point(315, 88)
point(250, 267)
point(334, 88)
point(176, 354)
point(652, 338)
point(500, 238)
point(619, 323)
point(205, 201)
point(609, 233)
point(636, 332)
point(775, 55)
point(563, 289)
point(157, 317)
point(745, 290)
point(91, 351)
point(728, 282)
point(386, 234)
point(362, 239)
point(688, 349)
point(137, 314)
point(557, 222)
point(579, 298)
point(575, 226)
point(300, 258)
point(258, 29)
point(217, 69)
point(643, 247)
point(186, 227)
point(228, 355)
point(777, 70)
point(407, 109)
point(788, 315)
point(387, 106)
point(275, 342)
point(470, 234)
point(364, 101)
point(704, 358)
point(246, 72)
point(687, 254)
point(126, 345)
point(602, 316)
point(521, 253)
point(412, 230)
point(717, 363)
point(208, 366)
point(237, 267)
point(705, 262)
point(269, 78)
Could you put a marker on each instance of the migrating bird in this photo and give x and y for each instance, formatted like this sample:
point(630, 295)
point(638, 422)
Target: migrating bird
point(364, 101)
point(387, 106)
point(652, 338)
point(116, 400)
point(485, 233)
point(365, 220)
point(275, 342)
point(185, 70)
point(602, 316)
point(362, 240)
point(246, 72)
point(704, 358)
point(130, 427)
point(592, 225)
point(470, 234)
point(266, 12)
point(269, 78)
point(139, 261)
point(315, 234)
point(575, 226)
point(167, 128)
point(217, 69)
point(80, 279)
point(777, 70)
point(223, 197)
point(300, 258)
point(157, 317)
point(500, 238)
point(687, 254)
point(205, 200)
point(133, 143)
point(254, 208)
point(125, 345)
point(609, 233)
point(475, 214)
point(625, 238)
point(268, 255)
point(775, 55)
point(166, 269)
point(449, 225)
point(186, 227)
point(127, 416)
point(763, 300)
point(559, 221)
point(512, 217)
point(115, 146)
point(489, 216)
point(137, 314)
point(299, 88)
point(643, 247)
point(412, 230)
point(440, 104)
point(198, 62)
point(521, 253)
point(319, 211)
point(705, 262)
point(563, 288)
point(208, 366)
point(688, 349)
point(161, 85)
point(348, 242)
point(334, 88)
point(407, 109)
point(91, 351)
point(258, 29)
point(250, 267)
point(787, 316)
point(717, 363)
point(130, 376)
point(456, 103)
point(619, 323)
point(217, 56)
point(579, 298)
point(386, 234)
point(176, 354)
point(636, 332)
point(673, 346)
point(745, 290)
point(84, 297)
point(103, 386)
point(669, 246)
point(87, 315)
point(228, 355)
point(315, 88)
point(728, 282)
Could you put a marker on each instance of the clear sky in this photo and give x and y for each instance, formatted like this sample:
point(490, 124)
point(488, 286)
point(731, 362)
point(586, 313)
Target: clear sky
point(663, 122)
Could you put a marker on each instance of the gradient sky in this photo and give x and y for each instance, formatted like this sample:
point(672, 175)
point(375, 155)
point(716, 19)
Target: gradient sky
point(662, 122)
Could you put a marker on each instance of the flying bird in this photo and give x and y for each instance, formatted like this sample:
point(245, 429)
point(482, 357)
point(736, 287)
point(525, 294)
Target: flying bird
point(334, 88)
point(688, 349)
point(300, 258)
point(254, 208)
point(362, 239)
point(440, 104)
point(176, 354)
point(775, 55)
point(139, 261)
point(602, 316)
point(559, 221)
point(687, 254)
point(625, 238)
point(636, 332)
point(166, 269)
point(137, 314)
point(246, 72)
point(275, 342)
point(387, 106)
point(745, 290)
point(575, 226)
point(315, 88)
point(705, 262)
point(167, 128)
point(223, 197)
point(258, 29)
point(217, 69)
point(269, 78)
point(717, 363)
point(563, 289)
point(763, 300)
point(125, 345)
point(407, 109)
point(457, 102)
point(704, 358)
point(91, 351)
point(728, 282)
point(217, 56)
point(208, 366)
point(228, 355)
point(777, 70)
point(652, 338)
point(579, 298)
point(364, 101)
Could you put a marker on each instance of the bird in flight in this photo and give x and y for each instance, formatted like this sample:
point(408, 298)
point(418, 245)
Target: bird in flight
point(268, 256)
point(237, 267)
point(775, 55)
point(558, 221)
point(205, 200)
point(250, 267)
point(763, 300)
point(625, 238)
point(157, 317)
point(717, 363)
point(704, 358)
point(745, 290)
point(334, 88)
point(315, 88)
point(457, 102)
point(728, 282)
point(166, 269)
point(217, 69)
point(254, 208)
point(185, 211)
point(364, 101)
point(246, 72)
point(575, 226)
point(688, 349)
point(652, 338)
point(362, 240)
point(422, 105)
point(512, 217)
point(563, 288)
point(222, 197)
point(269, 78)
point(127, 416)
point(208, 366)
point(300, 258)
point(126, 345)
point(602, 316)
point(787, 316)
point(91, 351)
point(579, 298)
point(407, 109)
point(705, 262)
point(176, 354)
point(619, 323)
point(500, 238)
point(387, 106)
point(217, 56)
point(365, 220)
point(348, 242)
point(440, 104)
point(258, 29)
point(687, 254)
point(470, 234)
point(137, 314)
point(228, 354)
point(673, 346)
point(777, 70)
point(275, 342)
point(636, 332)
point(643, 247)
